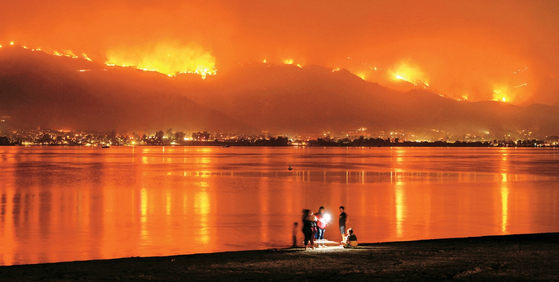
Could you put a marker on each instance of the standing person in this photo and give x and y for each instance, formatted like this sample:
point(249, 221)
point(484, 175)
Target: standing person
point(344, 219)
point(321, 224)
point(313, 228)
point(294, 235)
point(307, 228)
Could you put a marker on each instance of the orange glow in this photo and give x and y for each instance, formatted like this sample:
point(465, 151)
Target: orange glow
point(288, 61)
point(360, 75)
point(459, 49)
point(170, 59)
point(410, 73)
point(501, 95)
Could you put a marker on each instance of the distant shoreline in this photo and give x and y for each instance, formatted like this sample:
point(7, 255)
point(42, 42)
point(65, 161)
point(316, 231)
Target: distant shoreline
point(226, 145)
point(508, 257)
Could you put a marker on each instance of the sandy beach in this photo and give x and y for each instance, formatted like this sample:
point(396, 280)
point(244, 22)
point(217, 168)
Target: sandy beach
point(502, 258)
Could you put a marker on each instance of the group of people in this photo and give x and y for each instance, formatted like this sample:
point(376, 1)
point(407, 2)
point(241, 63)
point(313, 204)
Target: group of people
point(314, 227)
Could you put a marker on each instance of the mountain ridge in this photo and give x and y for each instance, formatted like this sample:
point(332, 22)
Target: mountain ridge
point(38, 89)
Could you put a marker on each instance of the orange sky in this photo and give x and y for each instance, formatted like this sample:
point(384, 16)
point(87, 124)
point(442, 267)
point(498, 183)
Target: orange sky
point(459, 48)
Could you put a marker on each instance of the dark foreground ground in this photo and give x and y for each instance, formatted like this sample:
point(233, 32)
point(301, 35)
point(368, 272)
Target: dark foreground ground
point(513, 257)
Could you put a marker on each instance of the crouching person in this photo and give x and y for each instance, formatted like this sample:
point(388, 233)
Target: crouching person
point(350, 240)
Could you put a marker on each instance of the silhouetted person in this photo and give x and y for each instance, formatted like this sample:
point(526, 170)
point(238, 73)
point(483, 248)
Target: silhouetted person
point(294, 235)
point(351, 240)
point(308, 219)
point(344, 219)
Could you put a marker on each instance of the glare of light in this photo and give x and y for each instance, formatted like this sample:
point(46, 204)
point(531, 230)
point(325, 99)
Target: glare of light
point(361, 75)
point(12, 43)
point(327, 217)
point(409, 72)
point(166, 58)
point(264, 61)
point(504, 99)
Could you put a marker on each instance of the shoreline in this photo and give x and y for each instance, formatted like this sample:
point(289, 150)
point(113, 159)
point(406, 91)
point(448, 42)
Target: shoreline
point(504, 257)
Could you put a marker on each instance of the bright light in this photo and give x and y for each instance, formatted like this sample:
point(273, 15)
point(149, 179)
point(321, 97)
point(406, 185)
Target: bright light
point(327, 217)
point(288, 61)
point(12, 43)
point(410, 73)
point(167, 58)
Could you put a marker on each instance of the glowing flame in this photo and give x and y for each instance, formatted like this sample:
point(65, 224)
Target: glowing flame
point(169, 59)
point(336, 69)
point(500, 95)
point(360, 75)
point(264, 61)
point(410, 73)
point(86, 57)
point(288, 61)
point(12, 43)
point(299, 65)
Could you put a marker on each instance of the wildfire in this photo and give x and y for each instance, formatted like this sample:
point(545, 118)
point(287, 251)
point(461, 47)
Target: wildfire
point(169, 59)
point(288, 61)
point(407, 72)
point(500, 95)
point(360, 75)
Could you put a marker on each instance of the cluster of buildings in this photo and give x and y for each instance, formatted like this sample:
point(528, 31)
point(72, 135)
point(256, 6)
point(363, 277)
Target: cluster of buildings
point(361, 138)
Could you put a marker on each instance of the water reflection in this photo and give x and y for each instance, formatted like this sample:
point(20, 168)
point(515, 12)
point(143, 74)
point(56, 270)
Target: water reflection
point(61, 204)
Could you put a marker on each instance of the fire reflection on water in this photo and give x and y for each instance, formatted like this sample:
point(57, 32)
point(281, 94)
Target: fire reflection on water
point(400, 208)
point(202, 209)
point(60, 204)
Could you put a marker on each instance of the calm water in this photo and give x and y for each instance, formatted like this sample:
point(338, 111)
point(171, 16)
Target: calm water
point(65, 204)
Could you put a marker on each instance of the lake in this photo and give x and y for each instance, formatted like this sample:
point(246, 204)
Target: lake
point(82, 203)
